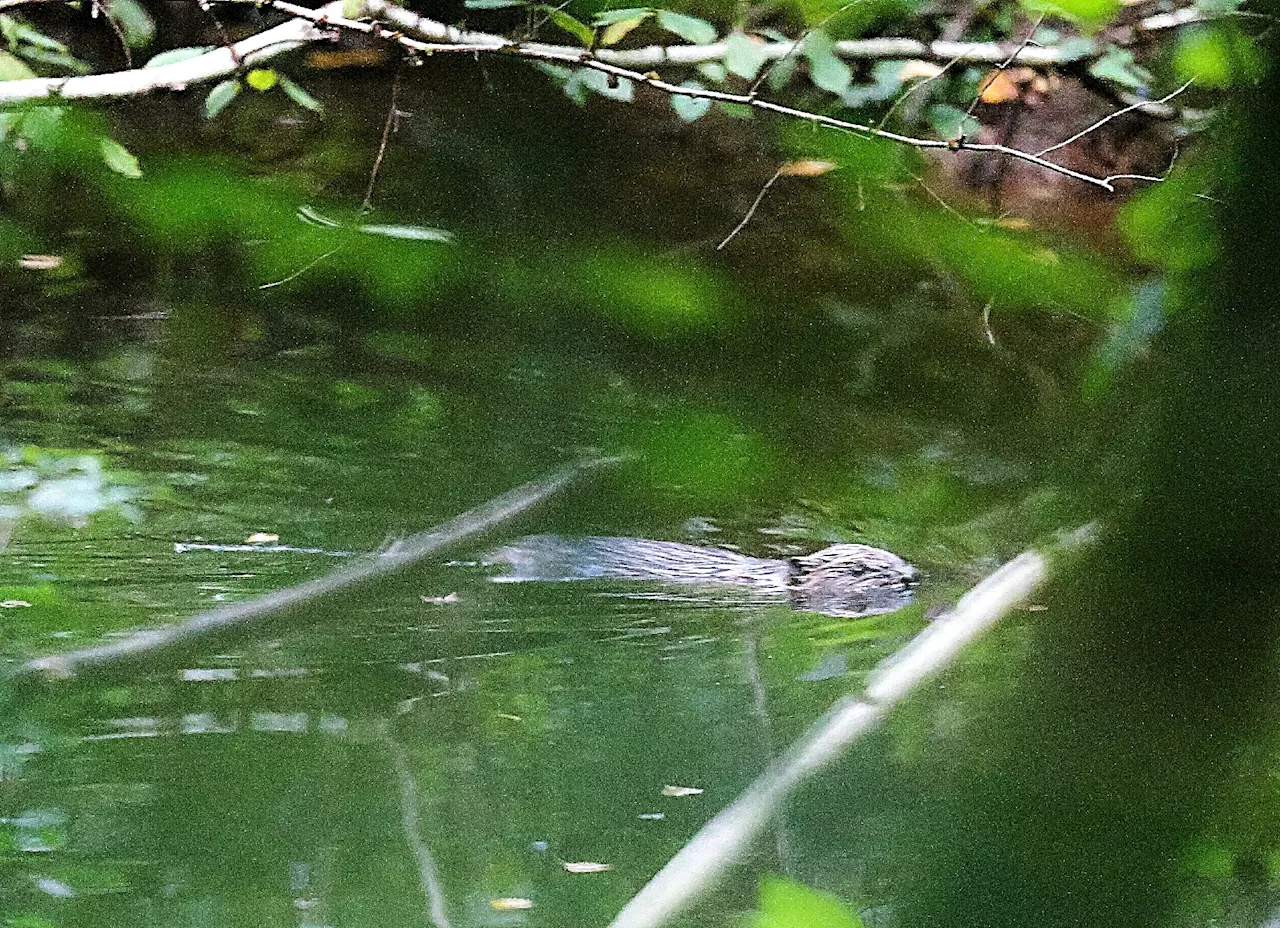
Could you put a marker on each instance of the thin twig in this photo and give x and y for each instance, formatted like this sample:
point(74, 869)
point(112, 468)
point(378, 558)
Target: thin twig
point(315, 262)
point(387, 127)
point(1003, 66)
point(245, 615)
point(722, 840)
point(902, 98)
point(795, 47)
point(752, 211)
point(1106, 119)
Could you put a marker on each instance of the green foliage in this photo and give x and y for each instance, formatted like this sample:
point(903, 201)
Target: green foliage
point(177, 55)
point(261, 79)
point(120, 159)
point(1216, 55)
point(133, 20)
point(690, 108)
point(34, 46)
point(825, 69)
point(300, 96)
point(690, 28)
point(220, 97)
point(744, 55)
point(1118, 65)
point(1088, 14)
point(579, 30)
point(1170, 226)
point(785, 904)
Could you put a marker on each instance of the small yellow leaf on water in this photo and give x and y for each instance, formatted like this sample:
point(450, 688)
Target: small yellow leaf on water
point(509, 717)
point(1036, 607)
point(807, 168)
point(680, 792)
point(262, 538)
point(587, 866)
point(509, 903)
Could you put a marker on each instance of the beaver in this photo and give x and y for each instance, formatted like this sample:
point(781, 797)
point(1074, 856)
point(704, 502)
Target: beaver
point(844, 580)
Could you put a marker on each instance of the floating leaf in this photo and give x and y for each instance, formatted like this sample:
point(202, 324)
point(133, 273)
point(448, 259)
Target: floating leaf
point(576, 28)
point(175, 55)
point(492, 4)
point(679, 792)
point(510, 903)
point(13, 68)
point(808, 168)
point(826, 70)
point(134, 21)
point(411, 233)
point(744, 56)
point(220, 98)
point(119, 158)
point(40, 262)
point(262, 538)
point(261, 79)
point(689, 28)
point(690, 108)
point(587, 867)
point(617, 30)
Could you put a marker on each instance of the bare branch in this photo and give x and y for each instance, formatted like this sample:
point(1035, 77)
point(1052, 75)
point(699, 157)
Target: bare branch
point(722, 840)
point(241, 616)
point(1142, 104)
point(220, 62)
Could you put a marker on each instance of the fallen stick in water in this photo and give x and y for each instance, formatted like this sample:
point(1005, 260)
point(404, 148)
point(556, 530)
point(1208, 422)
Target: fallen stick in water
point(241, 616)
point(722, 840)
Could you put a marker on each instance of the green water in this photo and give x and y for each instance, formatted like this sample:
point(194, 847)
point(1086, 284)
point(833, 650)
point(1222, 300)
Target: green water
point(820, 398)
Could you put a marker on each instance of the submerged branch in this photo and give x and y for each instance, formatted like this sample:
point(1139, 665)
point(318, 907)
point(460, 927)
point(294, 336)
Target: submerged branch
point(245, 615)
point(711, 851)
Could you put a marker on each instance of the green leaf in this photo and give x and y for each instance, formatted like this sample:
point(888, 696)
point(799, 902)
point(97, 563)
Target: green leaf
point(16, 31)
point(690, 108)
point(492, 4)
point(352, 9)
point(1216, 56)
point(689, 28)
point(261, 79)
point(609, 17)
point(1117, 64)
point(826, 70)
point(56, 59)
point(1077, 47)
point(950, 122)
point(617, 30)
point(1088, 14)
point(300, 96)
point(13, 68)
point(220, 97)
point(119, 158)
point(744, 56)
point(134, 21)
point(579, 30)
point(713, 71)
point(620, 90)
point(784, 904)
point(174, 55)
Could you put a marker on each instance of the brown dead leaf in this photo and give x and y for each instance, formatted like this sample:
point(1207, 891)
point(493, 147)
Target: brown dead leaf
point(679, 792)
point(917, 68)
point(1000, 89)
point(262, 538)
point(586, 866)
point(807, 168)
